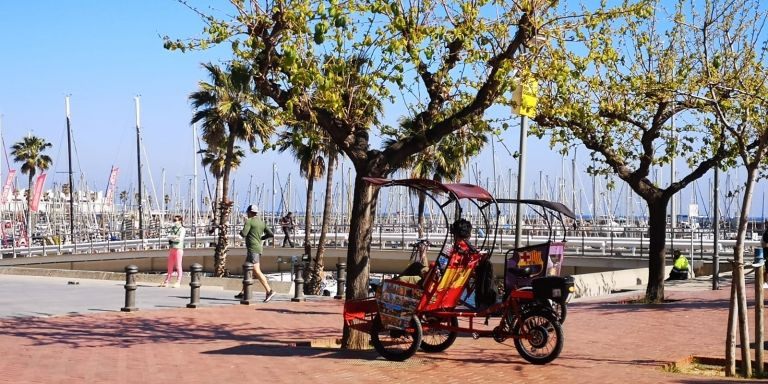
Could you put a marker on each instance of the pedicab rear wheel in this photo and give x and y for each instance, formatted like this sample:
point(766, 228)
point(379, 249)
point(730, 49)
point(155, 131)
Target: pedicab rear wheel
point(538, 337)
point(396, 344)
point(438, 340)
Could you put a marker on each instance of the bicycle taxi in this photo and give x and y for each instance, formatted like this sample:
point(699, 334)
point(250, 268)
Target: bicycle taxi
point(404, 317)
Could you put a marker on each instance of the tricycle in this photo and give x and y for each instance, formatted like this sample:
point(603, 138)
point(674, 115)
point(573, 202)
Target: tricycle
point(405, 316)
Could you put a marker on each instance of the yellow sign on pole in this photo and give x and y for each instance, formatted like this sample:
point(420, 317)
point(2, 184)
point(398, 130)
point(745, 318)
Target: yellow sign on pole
point(525, 98)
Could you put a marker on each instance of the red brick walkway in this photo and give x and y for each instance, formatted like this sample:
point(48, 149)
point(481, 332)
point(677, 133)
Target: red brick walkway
point(604, 343)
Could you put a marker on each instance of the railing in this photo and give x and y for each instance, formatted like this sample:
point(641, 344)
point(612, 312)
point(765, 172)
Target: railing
point(697, 245)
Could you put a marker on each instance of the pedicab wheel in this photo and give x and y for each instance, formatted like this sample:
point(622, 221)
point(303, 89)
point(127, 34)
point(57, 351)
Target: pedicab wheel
point(438, 340)
point(538, 337)
point(395, 344)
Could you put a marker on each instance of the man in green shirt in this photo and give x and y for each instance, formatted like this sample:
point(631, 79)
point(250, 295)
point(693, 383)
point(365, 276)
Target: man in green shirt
point(255, 231)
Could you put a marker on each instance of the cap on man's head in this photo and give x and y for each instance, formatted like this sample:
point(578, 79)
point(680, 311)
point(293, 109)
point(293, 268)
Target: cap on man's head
point(252, 209)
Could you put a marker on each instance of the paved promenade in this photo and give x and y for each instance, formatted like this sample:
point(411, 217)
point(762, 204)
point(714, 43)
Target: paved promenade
point(54, 332)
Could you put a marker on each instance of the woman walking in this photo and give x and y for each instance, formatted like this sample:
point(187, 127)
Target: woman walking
point(175, 252)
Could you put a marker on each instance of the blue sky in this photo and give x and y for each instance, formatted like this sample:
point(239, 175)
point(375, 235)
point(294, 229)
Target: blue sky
point(103, 53)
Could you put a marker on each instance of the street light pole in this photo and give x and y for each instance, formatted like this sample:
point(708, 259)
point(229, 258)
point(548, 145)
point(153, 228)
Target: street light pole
point(520, 179)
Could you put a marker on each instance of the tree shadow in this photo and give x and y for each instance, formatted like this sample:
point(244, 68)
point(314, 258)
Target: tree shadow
point(683, 304)
point(123, 331)
point(297, 312)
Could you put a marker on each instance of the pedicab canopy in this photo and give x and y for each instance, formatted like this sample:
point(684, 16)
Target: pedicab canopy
point(459, 190)
point(555, 206)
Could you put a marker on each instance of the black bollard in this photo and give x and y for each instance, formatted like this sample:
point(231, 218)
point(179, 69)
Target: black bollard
point(194, 296)
point(130, 289)
point(247, 283)
point(299, 286)
point(341, 278)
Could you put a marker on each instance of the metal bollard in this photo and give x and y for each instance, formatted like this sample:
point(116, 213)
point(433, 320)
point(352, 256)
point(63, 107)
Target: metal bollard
point(341, 278)
point(130, 288)
point(194, 296)
point(299, 286)
point(247, 283)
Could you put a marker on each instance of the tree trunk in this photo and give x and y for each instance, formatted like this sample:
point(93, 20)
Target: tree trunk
point(318, 268)
point(738, 271)
point(222, 242)
point(216, 199)
point(308, 224)
point(657, 226)
point(730, 335)
point(422, 202)
point(358, 253)
point(225, 206)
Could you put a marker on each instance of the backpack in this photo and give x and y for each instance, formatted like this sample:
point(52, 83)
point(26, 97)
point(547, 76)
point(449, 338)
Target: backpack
point(485, 290)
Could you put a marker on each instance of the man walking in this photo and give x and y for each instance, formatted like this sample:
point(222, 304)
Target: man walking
point(255, 231)
point(286, 222)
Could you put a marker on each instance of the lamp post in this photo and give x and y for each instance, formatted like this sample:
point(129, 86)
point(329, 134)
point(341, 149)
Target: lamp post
point(520, 179)
point(525, 98)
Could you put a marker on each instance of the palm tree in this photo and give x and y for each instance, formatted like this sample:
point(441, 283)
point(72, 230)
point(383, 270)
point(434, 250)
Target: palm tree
point(214, 158)
point(229, 111)
point(29, 152)
point(305, 143)
point(444, 161)
point(332, 152)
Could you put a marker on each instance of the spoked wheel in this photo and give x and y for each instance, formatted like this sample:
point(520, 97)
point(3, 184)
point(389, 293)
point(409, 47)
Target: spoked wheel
point(395, 344)
point(538, 337)
point(436, 339)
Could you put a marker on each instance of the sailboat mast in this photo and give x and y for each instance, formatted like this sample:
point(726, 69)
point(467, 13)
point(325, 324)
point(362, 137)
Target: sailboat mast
point(194, 176)
point(71, 183)
point(138, 161)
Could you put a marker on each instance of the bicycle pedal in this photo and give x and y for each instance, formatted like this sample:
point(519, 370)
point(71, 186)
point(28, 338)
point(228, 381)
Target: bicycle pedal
point(475, 335)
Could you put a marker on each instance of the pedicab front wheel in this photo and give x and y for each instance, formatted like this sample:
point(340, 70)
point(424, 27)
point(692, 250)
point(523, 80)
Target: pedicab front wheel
point(396, 344)
point(538, 337)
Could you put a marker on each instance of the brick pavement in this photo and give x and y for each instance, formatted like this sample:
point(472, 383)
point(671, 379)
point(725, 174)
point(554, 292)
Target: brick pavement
point(605, 342)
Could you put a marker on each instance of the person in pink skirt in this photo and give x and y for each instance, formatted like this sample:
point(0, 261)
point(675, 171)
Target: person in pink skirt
point(175, 252)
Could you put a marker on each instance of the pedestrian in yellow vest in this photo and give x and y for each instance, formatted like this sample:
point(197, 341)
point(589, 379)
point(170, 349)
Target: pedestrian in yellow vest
point(680, 269)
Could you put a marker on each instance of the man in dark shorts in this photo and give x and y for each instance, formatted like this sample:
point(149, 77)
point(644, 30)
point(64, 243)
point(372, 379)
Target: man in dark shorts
point(255, 231)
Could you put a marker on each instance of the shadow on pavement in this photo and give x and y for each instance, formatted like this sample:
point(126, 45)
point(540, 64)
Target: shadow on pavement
point(276, 350)
point(297, 312)
point(124, 331)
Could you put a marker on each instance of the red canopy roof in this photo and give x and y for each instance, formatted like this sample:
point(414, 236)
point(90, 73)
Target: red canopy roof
point(459, 190)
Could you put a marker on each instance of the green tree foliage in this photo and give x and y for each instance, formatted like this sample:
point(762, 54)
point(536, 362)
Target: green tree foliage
point(446, 62)
point(616, 87)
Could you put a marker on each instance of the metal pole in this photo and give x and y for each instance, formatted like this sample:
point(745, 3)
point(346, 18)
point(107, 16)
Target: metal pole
point(138, 162)
point(247, 283)
point(130, 288)
point(194, 182)
point(71, 183)
point(520, 179)
point(341, 278)
point(759, 318)
point(274, 169)
point(194, 297)
point(716, 252)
